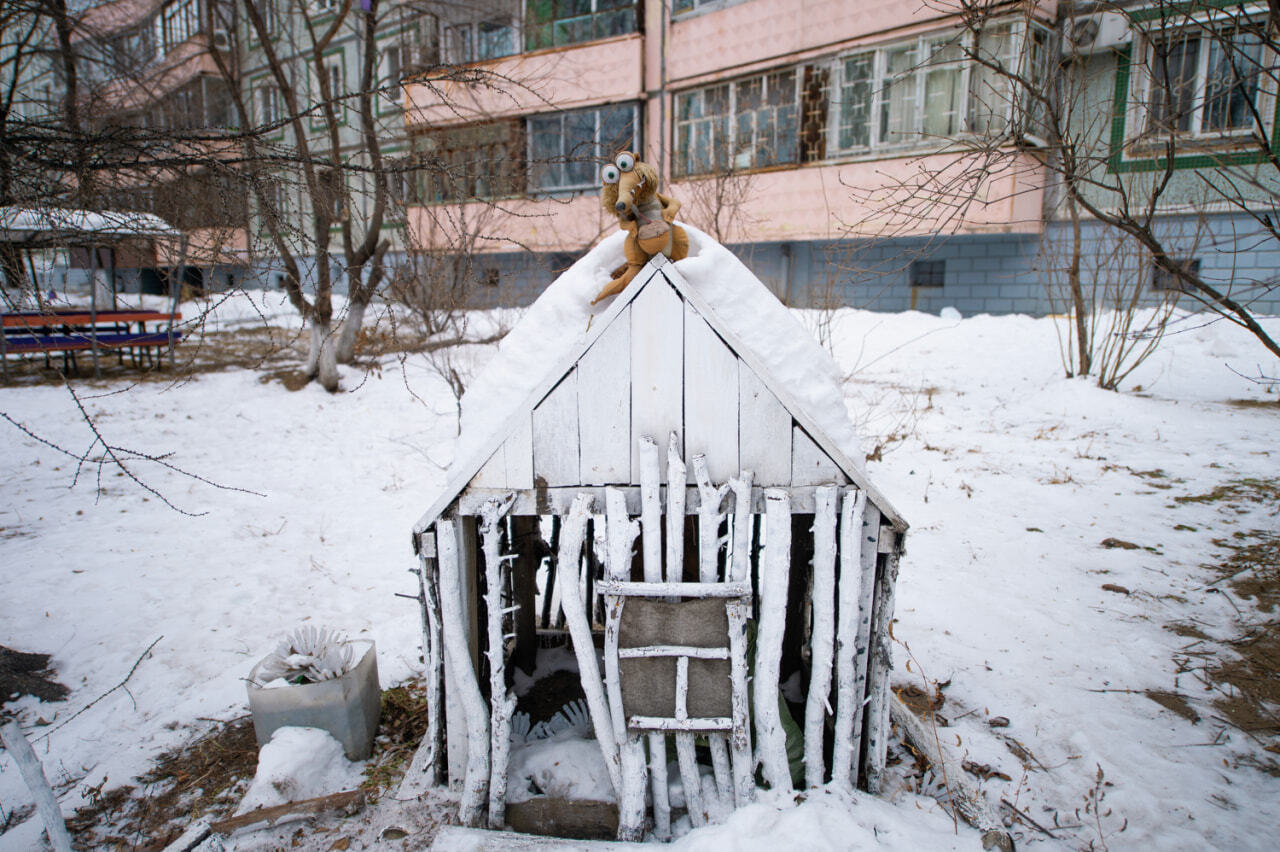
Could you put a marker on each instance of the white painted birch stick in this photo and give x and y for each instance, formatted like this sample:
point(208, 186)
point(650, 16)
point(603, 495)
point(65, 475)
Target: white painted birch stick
point(690, 779)
point(848, 696)
point(771, 744)
point(741, 488)
point(709, 499)
point(427, 766)
point(475, 786)
point(878, 675)
point(622, 533)
point(33, 774)
point(676, 477)
point(823, 632)
point(720, 766)
point(651, 510)
point(658, 785)
point(744, 766)
point(866, 550)
point(501, 703)
point(572, 533)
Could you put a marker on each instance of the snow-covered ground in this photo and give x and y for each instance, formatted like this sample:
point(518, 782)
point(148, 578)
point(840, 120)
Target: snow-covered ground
point(1011, 476)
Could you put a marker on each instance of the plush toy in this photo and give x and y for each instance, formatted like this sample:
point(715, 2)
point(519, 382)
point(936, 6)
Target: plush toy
point(630, 191)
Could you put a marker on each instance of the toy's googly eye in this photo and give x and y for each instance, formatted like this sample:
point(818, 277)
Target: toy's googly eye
point(610, 174)
point(626, 162)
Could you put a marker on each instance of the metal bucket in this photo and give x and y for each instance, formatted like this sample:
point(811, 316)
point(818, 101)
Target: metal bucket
point(347, 707)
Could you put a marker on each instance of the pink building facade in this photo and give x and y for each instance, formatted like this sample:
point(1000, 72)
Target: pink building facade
point(799, 132)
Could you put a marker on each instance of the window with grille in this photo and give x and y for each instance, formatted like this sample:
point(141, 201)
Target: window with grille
point(1201, 81)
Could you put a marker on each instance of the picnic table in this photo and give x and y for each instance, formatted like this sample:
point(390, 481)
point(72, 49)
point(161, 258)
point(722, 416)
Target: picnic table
point(71, 330)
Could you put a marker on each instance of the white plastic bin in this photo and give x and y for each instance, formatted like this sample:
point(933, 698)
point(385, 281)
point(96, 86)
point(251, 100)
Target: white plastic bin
point(347, 707)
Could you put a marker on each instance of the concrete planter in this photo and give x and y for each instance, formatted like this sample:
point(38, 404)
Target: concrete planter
point(347, 707)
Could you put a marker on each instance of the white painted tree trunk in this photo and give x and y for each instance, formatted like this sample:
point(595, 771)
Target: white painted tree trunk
point(476, 783)
point(823, 632)
point(744, 765)
point(770, 739)
point(848, 696)
point(658, 785)
point(572, 533)
point(322, 363)
point(350, 331)
point(502, 703)
point(690, 778)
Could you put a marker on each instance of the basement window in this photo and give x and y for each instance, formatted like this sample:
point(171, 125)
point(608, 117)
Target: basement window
point(1164, 281)
point(928, 273)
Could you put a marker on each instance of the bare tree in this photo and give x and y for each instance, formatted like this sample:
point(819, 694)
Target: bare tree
point(1141, 142)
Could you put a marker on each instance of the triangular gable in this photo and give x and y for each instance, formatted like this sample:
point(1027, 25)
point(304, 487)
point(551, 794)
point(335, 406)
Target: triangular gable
point(573, 451)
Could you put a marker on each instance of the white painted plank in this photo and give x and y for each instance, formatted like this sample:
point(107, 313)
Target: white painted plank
point(494, 472)
point(604, 406)
point(657, 353)
point(809, 464)
point(676, 503)
point(650, 509)
point(518, 450)
point(555, 435)
point(710, 397)
point(764, 431)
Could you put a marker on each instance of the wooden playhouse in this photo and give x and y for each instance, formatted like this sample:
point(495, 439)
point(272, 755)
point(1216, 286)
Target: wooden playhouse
point(708, 541)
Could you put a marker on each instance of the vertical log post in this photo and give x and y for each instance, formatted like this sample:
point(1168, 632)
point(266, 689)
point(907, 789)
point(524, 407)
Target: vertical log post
point(427, 768)
point(849, 661)
point(501, 702)
point(475, 786)
point(744, 769)
point(524, 586)
point(676, 476)
point(622, 533)
point(881, 664)
point(774, 574)
point(650, 510)
point(824, 588)
point(709, 499)
point(575, 616)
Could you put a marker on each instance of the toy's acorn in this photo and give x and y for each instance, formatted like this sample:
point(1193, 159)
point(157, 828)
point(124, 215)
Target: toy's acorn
point(630, 191)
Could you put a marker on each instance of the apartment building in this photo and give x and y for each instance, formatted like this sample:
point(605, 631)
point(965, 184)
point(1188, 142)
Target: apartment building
point(882, 155)
point(783, 126)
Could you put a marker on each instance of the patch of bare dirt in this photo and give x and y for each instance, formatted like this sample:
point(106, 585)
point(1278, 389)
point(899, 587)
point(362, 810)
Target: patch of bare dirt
point(22, 674)
point(1243, 671)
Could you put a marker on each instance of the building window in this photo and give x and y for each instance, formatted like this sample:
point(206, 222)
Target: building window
point(178, 21)
point(566, 149)
point(478, 41)
point(928, 273)
point(680, 7)
point(268, 104)
point(1165, 281)
point(1200, 82)
point(555, 23)
point(746, 124)
point(483, 161)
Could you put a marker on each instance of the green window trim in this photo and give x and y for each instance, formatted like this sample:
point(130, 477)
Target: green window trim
point(1118, 163)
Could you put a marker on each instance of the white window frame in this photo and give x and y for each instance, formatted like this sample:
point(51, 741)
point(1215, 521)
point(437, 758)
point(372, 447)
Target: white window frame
point(1139, 118)
point(734, 158)
point(541, 191)
point(267, 103)
point(914, 138)
point(177, 22)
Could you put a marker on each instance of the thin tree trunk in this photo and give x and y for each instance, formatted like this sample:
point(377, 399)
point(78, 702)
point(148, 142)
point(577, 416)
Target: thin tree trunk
point(1084, 357)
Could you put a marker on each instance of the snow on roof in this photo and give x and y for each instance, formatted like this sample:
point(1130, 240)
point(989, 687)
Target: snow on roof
point(27, 223)
point(558, 322)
